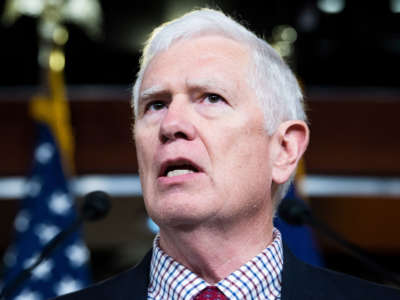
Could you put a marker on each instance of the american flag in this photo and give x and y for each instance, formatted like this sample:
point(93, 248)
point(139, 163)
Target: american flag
point(47, 209)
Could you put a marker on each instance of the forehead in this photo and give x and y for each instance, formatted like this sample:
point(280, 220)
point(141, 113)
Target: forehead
point(209, 58)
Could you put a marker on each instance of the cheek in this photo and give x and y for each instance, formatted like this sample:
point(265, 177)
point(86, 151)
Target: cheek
point(246, 140)
point(144, 150)
point(242, 157)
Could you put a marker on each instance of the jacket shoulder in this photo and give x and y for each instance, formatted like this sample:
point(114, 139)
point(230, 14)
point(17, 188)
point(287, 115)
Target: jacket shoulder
point(348, 287)
point(303, 281)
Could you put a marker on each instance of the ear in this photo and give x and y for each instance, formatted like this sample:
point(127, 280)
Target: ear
point(289, 143)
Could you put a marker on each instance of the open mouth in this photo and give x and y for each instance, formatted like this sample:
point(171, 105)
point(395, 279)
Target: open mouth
point(177, 168)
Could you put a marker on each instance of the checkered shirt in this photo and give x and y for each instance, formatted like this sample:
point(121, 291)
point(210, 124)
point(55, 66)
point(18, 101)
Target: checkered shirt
point(260, 278)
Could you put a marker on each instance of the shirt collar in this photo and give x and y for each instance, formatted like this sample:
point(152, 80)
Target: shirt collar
point(259, 278)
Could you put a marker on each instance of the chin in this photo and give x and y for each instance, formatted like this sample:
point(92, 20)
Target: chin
point(179, 216)
point(177, 221)
point(180, 208)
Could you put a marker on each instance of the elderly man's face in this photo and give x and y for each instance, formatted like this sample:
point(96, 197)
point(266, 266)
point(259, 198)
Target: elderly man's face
point(203, 152)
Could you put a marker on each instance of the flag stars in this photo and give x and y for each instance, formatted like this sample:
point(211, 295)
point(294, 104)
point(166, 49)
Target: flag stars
point(30, 261)
point(46, 232)
point(44, 152)
point(47, 210)
point(21, 222)
point(43, 270)
point(67, 285)
point(27, 294)
point(60, 203)
point(78, 254)
point(10, 257)
point(33, 187)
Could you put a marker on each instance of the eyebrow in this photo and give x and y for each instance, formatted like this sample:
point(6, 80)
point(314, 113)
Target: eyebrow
point(207, 85)
point(151, 92)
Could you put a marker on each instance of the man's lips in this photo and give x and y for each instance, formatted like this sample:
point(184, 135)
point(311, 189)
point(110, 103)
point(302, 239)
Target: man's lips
point(178, 166)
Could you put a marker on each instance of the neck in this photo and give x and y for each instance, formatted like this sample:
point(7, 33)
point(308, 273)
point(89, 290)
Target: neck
point(214, 252)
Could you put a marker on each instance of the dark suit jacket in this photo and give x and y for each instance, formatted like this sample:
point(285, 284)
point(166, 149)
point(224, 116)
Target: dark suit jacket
point(299, 281)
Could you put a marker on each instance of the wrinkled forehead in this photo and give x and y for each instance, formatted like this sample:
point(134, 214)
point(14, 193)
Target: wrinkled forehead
point(203, 56)
point(225, 43)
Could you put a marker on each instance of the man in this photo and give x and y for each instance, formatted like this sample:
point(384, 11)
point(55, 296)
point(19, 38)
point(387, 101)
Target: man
point(219, 129)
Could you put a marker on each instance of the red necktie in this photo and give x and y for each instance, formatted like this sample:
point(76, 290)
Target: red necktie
point(210, 293)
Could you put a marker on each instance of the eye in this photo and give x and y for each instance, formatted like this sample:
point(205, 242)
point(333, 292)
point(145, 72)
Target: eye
point(154, 106)
point(213, 98)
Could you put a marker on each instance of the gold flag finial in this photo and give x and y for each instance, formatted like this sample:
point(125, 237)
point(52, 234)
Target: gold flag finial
point(84, 13)
point(50, 107)
point(52, 15)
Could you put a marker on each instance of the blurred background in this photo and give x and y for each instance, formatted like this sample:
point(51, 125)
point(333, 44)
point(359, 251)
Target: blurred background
point(346, 53)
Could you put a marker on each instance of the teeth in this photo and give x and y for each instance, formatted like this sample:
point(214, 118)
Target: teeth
point(179, 172)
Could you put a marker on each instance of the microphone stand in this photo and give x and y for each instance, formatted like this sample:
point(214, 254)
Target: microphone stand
point(297, 213)
point(96, 206)
point(47, 250)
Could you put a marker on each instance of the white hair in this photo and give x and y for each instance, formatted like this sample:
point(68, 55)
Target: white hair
point(275, 85)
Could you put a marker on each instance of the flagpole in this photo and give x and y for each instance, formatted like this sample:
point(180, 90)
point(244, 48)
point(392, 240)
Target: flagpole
point(48, 208)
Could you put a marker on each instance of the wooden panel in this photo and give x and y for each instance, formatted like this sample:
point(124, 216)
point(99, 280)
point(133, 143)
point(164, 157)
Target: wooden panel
point(351, 133)
point(17, 138)
point(353, 136)
point(103, 135)
point(102, 128)
point(371, 223)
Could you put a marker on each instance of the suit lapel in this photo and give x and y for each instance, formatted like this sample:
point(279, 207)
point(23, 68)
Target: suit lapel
point(295, 278)
point(140, 278)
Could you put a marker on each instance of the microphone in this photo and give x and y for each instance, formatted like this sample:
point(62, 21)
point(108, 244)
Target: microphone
point(297, 213)
point(294, 212)
point(96, 206)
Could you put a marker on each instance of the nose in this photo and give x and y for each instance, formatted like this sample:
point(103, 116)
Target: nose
point(176, 123)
